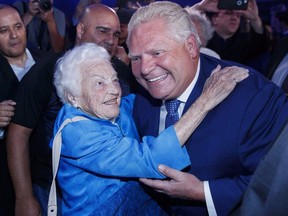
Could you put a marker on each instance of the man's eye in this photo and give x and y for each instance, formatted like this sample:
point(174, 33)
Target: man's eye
point(2, 31)
point(158, 53)
point(18, 27)
point(134, 59)
point(117, 35)
point(99, 83)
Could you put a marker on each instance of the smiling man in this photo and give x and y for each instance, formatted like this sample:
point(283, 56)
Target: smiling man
point(230, 142)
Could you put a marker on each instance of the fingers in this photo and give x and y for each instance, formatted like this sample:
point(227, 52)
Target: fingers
point(220, 84)
point(162, 185)
point(218, 68)
point(169, 172)
point(6, 112)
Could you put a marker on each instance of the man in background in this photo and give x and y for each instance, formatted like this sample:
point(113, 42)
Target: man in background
point(45, 24)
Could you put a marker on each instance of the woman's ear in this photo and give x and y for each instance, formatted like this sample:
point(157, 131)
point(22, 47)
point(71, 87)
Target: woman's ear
point(72, 100)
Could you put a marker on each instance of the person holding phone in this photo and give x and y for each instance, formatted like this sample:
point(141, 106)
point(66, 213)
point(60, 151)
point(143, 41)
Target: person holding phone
point(244, 45)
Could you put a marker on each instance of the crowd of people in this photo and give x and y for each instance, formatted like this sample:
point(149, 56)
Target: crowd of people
point(181, 109)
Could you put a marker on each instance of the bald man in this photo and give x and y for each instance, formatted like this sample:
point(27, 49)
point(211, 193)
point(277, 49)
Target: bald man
point(100, 24)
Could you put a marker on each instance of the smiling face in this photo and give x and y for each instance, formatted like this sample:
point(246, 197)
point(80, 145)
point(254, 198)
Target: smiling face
point(100, 91)
point(12, 34)
point(162, 65)
point(101, 26)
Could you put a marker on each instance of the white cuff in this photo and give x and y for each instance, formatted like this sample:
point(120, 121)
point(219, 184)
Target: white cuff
point(209, 201)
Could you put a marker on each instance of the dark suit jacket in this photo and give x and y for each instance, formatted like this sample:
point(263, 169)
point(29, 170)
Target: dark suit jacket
point(267, 193)
point(228, 145)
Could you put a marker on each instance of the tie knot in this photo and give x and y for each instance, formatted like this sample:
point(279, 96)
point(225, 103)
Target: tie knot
point(172, 106)
point(172, 112)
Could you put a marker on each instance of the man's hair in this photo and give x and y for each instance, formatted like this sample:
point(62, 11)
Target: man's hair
point(177, 19)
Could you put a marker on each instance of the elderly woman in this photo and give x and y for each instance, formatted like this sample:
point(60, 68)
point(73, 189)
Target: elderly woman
point(103, 152)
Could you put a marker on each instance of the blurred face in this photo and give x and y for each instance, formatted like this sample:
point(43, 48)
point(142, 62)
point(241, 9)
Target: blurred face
point(124, 33)
point(226, 23)
point(12, 34)
point(101, 27)
point(162, 65)
point(101, 92)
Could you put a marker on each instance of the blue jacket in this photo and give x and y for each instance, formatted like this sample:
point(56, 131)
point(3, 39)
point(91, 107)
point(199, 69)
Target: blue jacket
point(99, 157)
point(230, 142)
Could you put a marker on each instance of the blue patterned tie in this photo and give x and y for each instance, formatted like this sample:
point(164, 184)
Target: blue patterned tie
point(172, 112)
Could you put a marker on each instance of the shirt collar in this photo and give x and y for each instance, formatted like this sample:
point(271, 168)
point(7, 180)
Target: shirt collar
point(185, 95)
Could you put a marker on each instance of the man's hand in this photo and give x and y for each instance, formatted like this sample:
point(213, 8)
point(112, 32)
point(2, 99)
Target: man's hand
point(47, 16)
point(6, 112)
point(180, 184)
point(206, 6)
point(252, 16)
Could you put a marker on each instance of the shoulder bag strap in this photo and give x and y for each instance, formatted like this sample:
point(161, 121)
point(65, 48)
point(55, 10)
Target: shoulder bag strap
point(56, 150)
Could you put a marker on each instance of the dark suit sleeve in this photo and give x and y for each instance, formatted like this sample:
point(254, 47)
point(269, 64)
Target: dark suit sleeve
point(262, 120)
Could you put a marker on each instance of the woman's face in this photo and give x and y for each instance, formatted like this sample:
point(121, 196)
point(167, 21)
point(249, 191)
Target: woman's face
point(100, 91)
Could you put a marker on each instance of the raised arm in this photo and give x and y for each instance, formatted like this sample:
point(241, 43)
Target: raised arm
point(217, 87)
point(56, 39)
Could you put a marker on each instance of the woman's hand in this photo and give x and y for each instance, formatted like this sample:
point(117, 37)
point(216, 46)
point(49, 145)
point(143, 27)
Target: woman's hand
point(221, 83)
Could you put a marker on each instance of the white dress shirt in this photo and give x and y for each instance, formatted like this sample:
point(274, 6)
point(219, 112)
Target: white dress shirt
point(183, 98)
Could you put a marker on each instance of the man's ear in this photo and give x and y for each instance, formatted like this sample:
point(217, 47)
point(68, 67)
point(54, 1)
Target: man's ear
point(79, 31)
point(192, 46)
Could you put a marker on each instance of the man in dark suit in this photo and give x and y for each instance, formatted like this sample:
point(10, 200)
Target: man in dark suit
point(267, 192)
point(230, 142)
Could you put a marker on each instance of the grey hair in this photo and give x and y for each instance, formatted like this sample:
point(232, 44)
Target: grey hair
point(176, 18)
point(204, 24)
point(70, 68)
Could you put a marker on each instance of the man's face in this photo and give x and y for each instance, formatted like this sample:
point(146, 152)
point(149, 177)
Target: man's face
point(124, 32)
point(162, 65)
point(12, 34)
point(226, 22)
point(102, 29)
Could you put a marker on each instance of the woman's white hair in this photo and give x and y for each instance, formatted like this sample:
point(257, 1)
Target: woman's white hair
point(71, 67)
point(176, 18)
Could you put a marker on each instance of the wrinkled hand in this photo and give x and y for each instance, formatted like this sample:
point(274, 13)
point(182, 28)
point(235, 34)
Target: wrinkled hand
point(6, 112)
point(180, 184)
point(28, 206)
point(221, 83)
